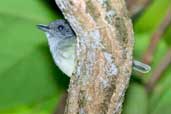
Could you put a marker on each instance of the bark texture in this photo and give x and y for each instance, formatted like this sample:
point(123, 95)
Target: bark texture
point(104, 55)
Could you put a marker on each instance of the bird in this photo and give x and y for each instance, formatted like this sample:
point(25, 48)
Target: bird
point(62, 43)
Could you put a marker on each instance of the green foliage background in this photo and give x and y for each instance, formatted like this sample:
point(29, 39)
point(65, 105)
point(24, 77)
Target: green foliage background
point(30, 83)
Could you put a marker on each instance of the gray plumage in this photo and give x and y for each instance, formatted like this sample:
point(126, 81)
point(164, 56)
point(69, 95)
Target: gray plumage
point(62, 42)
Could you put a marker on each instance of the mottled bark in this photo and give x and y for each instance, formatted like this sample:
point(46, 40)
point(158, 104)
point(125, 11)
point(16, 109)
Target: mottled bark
point(104, 55)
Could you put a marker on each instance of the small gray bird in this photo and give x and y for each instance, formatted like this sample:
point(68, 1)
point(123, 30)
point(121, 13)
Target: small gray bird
point(62, 43)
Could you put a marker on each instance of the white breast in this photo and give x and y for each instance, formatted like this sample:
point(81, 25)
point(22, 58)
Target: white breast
point(64, 55)
point(66, 64)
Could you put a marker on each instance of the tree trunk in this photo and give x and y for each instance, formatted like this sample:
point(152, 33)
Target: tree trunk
point(103, 55)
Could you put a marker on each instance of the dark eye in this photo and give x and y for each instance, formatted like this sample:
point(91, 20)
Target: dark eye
point(60, 27)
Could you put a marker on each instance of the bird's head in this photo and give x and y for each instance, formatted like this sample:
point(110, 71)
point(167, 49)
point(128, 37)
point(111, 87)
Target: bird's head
point(59, 30)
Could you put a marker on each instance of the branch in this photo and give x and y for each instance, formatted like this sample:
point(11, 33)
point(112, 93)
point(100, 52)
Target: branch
point(157, 73)
point(166, 22)
point(104, 55)
point(60, 107)
point(137, 7)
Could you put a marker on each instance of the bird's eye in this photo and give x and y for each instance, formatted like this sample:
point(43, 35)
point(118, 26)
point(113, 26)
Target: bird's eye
point(60, 27)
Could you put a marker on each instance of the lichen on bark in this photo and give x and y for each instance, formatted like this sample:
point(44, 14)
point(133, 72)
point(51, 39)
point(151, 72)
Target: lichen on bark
point(103, 55)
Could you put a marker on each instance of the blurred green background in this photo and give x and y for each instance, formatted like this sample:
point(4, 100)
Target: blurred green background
point(30, 83)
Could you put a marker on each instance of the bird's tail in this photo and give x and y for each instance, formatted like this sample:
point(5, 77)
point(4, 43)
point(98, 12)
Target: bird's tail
point(141, 67)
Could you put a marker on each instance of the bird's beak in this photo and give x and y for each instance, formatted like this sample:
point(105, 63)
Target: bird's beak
point(42, 27)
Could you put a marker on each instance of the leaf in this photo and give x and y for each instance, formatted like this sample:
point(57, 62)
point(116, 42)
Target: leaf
point(167, 36)
point(160, 97)
point(152, 16)
point(33, 10)
point(136, 101)
point(163, 106)
point(27, 71)
point(46, 106)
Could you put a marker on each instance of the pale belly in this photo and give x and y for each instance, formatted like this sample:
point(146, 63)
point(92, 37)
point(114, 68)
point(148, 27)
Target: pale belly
point(66, 65)
point(64, 55)
point(65, 59)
